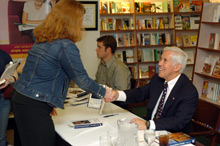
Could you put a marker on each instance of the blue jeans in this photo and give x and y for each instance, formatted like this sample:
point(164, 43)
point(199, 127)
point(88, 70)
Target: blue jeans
point(5, 107)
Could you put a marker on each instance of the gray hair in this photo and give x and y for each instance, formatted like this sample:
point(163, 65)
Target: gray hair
point(179, 57)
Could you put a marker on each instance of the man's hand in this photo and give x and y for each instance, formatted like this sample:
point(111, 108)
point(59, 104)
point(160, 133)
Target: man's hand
point(113, 96)
point(141, 123)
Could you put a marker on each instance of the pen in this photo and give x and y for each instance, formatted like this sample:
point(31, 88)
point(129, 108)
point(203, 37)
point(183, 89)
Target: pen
point(110, 115)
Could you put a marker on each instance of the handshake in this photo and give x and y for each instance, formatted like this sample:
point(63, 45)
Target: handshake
point(110, 95)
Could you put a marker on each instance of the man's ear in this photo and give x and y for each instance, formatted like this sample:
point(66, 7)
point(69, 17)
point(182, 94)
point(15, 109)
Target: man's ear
point(177, 67)
point(109, 49)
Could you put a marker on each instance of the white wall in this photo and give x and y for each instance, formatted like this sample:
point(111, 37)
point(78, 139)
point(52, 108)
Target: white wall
point(87, 47)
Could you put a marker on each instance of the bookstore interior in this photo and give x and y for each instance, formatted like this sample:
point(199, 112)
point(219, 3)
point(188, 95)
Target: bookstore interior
point(142, 28)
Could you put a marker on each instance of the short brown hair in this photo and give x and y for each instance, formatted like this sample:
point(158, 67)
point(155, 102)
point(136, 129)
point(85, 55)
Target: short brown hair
point(63, 22)
point(108, 41)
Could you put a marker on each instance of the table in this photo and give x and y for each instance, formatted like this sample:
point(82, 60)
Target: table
point(90, 136)
point(87, 136)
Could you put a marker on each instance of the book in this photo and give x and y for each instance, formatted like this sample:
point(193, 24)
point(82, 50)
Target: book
point(159, 7)
point(129, 56)
point(186, 41)
point(144, 71)
point(186, 22)
point(205, 88)
point(194, 22)
point(178, 40)
point(197, 5)
point(216, 69)
point(147, 55)
point(23, 27)
point(184, 6)
point(85, 123)
point(178, 22)
point(9, 70)
point(193, 40)
point(152, 71)
point(208, 64)
point(176, 4)
point(214, 41)
point(180, 138)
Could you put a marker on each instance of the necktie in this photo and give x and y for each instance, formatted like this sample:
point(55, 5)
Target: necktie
point(160, 106)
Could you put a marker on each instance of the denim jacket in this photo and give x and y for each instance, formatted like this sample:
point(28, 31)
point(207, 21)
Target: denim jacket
point(48, 70)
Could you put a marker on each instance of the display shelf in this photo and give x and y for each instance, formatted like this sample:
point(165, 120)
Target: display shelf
point(206, 82)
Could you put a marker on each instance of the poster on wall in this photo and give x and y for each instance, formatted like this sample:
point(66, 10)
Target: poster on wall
point(18, 19)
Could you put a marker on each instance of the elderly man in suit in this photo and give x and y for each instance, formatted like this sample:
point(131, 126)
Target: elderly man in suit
point(172, 96)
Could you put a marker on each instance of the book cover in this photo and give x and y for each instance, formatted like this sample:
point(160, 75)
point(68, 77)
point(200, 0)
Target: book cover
point(205, 89)
point(129, 56)
point(152, 71)
point(178, 22)
point(211, 40)
point(118, 24)
point(194, 22)
point(152, 8)
point(184, 6)
point(125, 7)
point(120, 39)
point(177, 4)
point(137, 7)
point(147, 7)
point(159, 7)
point(197, 5)
point(208, 65)
point(186, 41)
point(85, 123)
point(180, 138)
point(119, 54)
point(186, 22)
point(147, 55)
point(165, 6)
point(178, 40)
point(144, 71)
point(216, 69)
point(193, 39)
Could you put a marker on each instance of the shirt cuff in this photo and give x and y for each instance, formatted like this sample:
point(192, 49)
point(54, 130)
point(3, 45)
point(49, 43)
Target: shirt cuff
point(152, 125)
point(122, 96)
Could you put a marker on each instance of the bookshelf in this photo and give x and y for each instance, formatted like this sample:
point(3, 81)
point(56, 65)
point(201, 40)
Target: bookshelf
point(206, 56)
point(187, 22)
point(142, 31)
point(148, 30)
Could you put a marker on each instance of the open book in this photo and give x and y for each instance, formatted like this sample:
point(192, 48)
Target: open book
point(23, 27)
point(8, 71)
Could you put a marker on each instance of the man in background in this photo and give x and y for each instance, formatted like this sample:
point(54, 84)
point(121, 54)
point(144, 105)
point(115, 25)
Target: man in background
point(111, 70)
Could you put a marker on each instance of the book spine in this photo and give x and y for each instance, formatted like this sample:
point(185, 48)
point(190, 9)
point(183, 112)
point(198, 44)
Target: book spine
point(87, 125)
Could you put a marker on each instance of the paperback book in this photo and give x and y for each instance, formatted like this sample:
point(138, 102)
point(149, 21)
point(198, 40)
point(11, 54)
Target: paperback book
point(180, 138)
point(85, 123)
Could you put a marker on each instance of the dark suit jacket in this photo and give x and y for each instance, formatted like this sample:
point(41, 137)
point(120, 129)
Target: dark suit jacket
point(179, 107)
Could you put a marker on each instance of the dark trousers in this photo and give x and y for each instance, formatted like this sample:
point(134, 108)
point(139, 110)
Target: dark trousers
point(33, 120)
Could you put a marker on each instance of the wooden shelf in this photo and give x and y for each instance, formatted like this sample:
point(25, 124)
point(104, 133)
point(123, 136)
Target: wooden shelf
point(187, 13)
point(207, 76)
point(208, 49)
point(210, 101)
point(116, 14)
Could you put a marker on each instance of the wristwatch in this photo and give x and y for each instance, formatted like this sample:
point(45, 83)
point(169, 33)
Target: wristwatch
point(148, 124)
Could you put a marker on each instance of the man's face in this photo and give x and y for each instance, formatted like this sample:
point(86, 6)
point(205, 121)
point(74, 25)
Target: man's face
point(101, 51)
point(166, 69)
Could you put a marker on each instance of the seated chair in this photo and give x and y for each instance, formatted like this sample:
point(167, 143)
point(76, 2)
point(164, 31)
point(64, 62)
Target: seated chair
point(206, 121)
point(15, 10)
